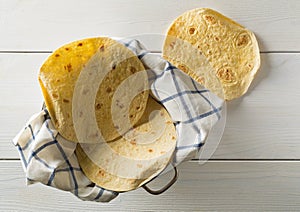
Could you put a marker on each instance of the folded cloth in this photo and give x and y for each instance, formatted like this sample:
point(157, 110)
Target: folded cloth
point(50, 159)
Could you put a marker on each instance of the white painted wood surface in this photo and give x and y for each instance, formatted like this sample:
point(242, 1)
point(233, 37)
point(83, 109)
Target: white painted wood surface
point(214, 186)
point(264, 124)
point(45, 25)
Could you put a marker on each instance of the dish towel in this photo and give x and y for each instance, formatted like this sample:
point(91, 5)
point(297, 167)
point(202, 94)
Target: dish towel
point(50, 159)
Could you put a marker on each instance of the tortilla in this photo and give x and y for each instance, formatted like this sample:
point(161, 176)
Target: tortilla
point(89, 60)
point(203, 37)
point(135, 160)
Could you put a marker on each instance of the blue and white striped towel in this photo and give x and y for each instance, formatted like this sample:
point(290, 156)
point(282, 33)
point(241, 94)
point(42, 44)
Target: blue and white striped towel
point(50, 159)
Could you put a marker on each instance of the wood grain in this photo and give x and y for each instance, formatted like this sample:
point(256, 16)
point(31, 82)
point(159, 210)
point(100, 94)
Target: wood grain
point(217, 186)
point(44, 25)
point(262, 125)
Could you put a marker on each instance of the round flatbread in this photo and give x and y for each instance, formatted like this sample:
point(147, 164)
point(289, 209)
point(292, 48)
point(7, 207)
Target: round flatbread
point(203, 37)
point(129, 162)
point(80, 78)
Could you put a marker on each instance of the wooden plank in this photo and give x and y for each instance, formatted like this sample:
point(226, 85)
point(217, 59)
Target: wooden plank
point(217, 186)
point(263, 124)
point(45, 25)
point(20, 96)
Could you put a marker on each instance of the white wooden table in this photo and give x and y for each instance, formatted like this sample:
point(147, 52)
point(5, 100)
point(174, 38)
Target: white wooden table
point(257, 164)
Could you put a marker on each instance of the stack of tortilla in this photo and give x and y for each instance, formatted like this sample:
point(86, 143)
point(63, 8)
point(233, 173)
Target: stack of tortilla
point(125, 138)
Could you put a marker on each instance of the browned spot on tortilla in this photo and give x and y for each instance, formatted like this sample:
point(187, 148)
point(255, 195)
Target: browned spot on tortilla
point(182, 67)
point(108, 89)
point(201, 80)
point(66, 101)
point(69, 67)
point(226, 74)
point(133, 142)
point(101, 48)
point(150, 150)
point(242, 40)
point(54, 95)
point(250, 65)
point(172, 44)
point(57, 55)
point(79, 44)
point(173, 138)
point(132, 69)
point(192, 30)
point(98, 106)
point(67, 49)
point(210, 19)
point(101, 173)
point(56, 122)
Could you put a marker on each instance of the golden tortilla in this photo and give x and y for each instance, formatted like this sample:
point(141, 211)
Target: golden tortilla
point(88, 59)
point(213, 49)
point(144, 155)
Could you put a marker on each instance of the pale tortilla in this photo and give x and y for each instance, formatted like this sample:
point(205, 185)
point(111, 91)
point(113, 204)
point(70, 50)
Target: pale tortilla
point(145, 156)
point(203, 37)
point(87, 58)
